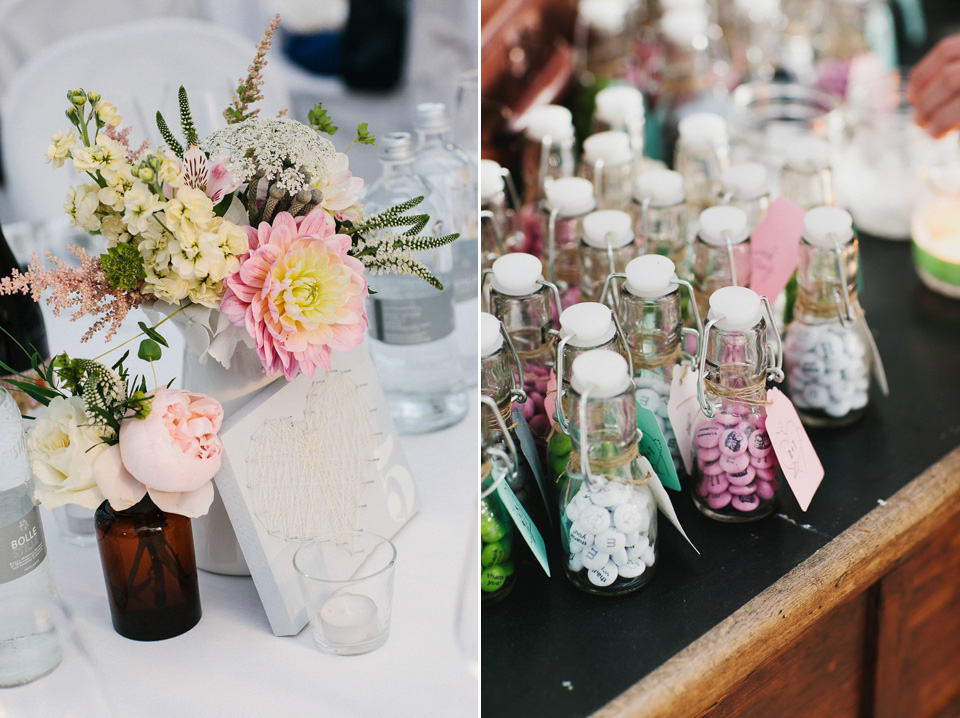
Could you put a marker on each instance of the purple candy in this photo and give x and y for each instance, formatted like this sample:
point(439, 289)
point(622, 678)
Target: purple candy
point(743, 490)
point(742, 478)
point(745, 503)
point(539, 426)
point(711, 454)
point(765, 489)
point(708, 435)
point(733, 442)
point(734, 464)
point(537, 398)
point(718, 501)
point(526, 408)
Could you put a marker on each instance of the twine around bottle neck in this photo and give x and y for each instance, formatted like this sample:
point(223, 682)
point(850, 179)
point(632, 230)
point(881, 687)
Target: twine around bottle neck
point(743, 394)
point(603, 465)
point(673, 357)
point(506, 415)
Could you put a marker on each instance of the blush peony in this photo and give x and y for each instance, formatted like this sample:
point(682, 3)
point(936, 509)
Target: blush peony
point(298, 293)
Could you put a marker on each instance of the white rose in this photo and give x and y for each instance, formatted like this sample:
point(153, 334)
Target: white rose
point(63, 446)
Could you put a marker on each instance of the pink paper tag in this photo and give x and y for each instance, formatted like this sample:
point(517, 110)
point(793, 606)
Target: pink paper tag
point(550, 398)
point(684, 410)
point(797, 457)
point(775, 248)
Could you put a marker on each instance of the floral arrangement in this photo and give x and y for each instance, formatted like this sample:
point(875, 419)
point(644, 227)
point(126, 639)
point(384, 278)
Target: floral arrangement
point(256, 231)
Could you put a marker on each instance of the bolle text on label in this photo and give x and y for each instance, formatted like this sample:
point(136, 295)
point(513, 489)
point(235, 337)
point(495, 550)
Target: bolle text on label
point(23, 540)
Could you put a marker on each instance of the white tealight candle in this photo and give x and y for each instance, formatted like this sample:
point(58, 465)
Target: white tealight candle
point(349, 619)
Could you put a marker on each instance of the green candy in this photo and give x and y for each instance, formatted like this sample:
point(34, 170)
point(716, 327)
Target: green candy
point(560, 445)
point(493, 554)
point(507, 567)
point(492, 579)
point(558, 464)
point(491, 530)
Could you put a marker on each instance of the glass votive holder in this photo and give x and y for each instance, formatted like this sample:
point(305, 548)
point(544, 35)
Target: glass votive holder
point(76, 524)
point(347, 586)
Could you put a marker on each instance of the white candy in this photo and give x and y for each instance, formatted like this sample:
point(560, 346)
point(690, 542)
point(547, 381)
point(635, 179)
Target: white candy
point(649, 399)
point(610, 541)
point(635, 553)
point(829, 346)
point(609, 495)
point(859, 400)
point(632, 539)
point(816, 396)
point(594, 558)
point(579, 537)
point(854, 345)
point(575, 562)
point(605, 575)
point(573, 511)
point(628, 517)
point(812, 366)
point(842, 391)
point(619, 557)
point(632, 569)
point(649, 556)
point(837, 408)
point(595, 519)
point(837, 362)
point(831, 378)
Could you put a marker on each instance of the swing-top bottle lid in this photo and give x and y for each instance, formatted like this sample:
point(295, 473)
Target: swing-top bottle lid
point(664, 188)
point(608, 228)
point(601, 371)
point(702, 129)
point(611, 147)
point(491, 179)
point(517, 273)
point(570, 196)
point(823, 226)
point(719, 223)
point(808, 154)
point(396, 147)
point(619, 105)
point(490, 337)
point(587, 324)
point(607, 15)
point(553, 121)
point(432, 117)
point(746, 180)
point(682, 25)
point(650, 276)
point(737, 308)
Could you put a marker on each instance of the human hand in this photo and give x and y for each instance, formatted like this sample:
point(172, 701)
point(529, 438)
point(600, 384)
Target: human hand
point(933, 88)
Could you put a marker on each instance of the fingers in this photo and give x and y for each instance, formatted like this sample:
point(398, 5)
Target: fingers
point(941, 90)
point(946, 51)
point(946, 118)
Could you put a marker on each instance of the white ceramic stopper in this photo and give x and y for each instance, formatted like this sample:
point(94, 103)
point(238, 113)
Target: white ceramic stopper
point(553, 121)
point(619, 105)
point(490, 337)
point(587, 324)
point(822, 226)
point(613, 148)
point(807, 154)
point(683, 25)
point(719, 223)
point(740, 308)
point(571, 196)
point(664, 188)
point(702, 129)
point(608, 227)
point(516, 274)
point(491, 179)
point(601, 371)
point(605, 15)
point(747, 180)
point(650, 276)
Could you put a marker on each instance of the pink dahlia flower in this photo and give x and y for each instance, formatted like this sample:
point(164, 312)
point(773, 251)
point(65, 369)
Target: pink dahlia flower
point(298, 293)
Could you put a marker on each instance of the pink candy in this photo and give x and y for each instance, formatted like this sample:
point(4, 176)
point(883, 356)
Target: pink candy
point(718, 501)
point(734, 464)
point(733, 442)
point(708, 435)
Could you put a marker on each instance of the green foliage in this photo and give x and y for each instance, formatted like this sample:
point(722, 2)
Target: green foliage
point(123, 266)
point(319, 119)
point(363, 137)
point(186, 119)
point(168, 137)
point(149, 350)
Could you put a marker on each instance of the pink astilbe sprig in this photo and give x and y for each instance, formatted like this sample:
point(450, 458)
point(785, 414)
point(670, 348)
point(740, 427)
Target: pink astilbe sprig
point(123, 137)
point(84, 289)
point(248, 91)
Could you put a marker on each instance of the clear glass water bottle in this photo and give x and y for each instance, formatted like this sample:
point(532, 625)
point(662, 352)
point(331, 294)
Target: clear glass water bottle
point(25, 576)
point(411, 338)
point(806, 178)
point(608, 163)
point(747, 185)
point(703, 153)
point(567, 202)
point(549, 149)
point(497, 532)
point(721, 253)
point(826, 348)
point(736, 475)
point(453, 175)
point(620, 108)
point(608, 514)
point(606, 247)
point(660, 207)
point(499, 214)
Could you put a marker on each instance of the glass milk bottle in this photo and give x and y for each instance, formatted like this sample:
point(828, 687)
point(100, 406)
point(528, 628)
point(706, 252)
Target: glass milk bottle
point(620, 108)
point(735, 473)
point(608, 163)
point(826, 350)
point(499, 212)
point(721, 252)
point(703, 153)
point(497, 532)
point(548, 151)
point(608, 515)
point(651, 314)
point(526, 304)
point(411, 336)
point(605, 248)
point(603, 39)
point(661, 210)
point(806, 178)
point(567, 202)
point(747, 185)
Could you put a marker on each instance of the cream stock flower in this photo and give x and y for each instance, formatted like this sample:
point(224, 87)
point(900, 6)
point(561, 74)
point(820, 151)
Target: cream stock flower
point(140, 204)
point(82, 204)
point(107, 157)
point(60, 149)
point(107, 114)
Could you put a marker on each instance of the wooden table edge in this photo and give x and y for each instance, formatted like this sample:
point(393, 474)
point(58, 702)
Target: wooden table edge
point(713, 665)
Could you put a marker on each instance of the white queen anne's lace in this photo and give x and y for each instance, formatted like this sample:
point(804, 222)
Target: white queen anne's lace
point(278, 146)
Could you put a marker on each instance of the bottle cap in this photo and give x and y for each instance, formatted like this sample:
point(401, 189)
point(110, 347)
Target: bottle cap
point(701, 129)
point(718, 223)
point(608, 227)
point(490, 337)
point(824, 225)
point(516, 274)
point(571, 196)
point(683, 25)
point(747, 180)
point(396, 147)
point(619, 105)
point(553, 121)
point(432, 117)
point(664, 188)
point(650, 276)
point(587, 324)
point(807, 154)
point(612, 147)
point(740, 308)
point(606, 15)
point(491, 179)
point(602, 371)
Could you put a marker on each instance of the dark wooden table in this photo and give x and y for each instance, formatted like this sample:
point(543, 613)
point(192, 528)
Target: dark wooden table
point(852, 608)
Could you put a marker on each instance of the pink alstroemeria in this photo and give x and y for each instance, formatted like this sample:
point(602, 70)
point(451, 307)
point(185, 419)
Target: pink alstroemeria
point(210, 175)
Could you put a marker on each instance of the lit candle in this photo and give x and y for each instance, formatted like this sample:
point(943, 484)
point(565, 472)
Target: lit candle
point(349, 619)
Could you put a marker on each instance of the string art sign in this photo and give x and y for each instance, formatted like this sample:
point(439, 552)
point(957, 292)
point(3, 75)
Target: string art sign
point(309, 458)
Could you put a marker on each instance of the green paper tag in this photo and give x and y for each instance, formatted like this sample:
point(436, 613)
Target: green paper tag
point(530, 453)
point(654, 447)
point(523, 522)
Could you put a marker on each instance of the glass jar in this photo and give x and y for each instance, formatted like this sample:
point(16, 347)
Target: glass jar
point(661, 210)
point(608, 163)
point(568, 201)
point(827, 355)
point(497, 532)
point(603, 37)
point(499, 231)
point(150, 570)
point(548, 151)
point(807, 178)
point(620, 108)
point(608, 515)
point(747, 185)
point(736, 475)
point(936, 228)
point(606, 247)
point(721, 253)
point(703, 153)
